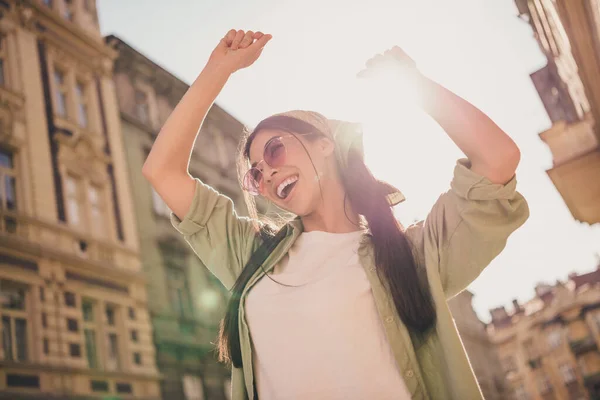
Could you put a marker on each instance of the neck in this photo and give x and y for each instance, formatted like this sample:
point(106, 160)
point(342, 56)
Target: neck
point(329, 215)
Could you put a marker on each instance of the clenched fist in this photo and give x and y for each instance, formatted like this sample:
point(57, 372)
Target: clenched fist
point(238, 49)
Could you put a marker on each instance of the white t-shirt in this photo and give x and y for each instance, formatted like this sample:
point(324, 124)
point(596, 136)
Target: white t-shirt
point(322, 339)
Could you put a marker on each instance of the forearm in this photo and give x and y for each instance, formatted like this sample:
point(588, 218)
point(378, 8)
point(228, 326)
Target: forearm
point(173, 146)
point(491, 151)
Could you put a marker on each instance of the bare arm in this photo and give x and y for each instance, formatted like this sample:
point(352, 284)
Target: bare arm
point(166, 167)
point(490, 150)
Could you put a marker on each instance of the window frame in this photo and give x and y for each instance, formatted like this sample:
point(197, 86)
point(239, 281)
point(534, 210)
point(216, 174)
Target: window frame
point(13, 315)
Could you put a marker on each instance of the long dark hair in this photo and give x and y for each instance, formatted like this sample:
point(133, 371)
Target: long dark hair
point(393, 254)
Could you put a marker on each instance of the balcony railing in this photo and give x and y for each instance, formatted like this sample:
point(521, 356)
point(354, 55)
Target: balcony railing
point(61, 239)
point(583, 345)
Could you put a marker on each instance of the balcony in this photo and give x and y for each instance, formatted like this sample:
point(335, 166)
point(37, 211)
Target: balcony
point(582, 346)
point(24, 232)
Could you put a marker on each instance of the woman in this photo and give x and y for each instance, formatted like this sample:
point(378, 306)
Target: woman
point(352, 305)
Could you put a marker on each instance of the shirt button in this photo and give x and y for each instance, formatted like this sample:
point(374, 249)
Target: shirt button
point(389, 320)
point(371, 269)
point(410, 373)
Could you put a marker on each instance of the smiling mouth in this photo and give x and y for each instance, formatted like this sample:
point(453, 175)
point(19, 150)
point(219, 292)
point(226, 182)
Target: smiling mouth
point(284, 189)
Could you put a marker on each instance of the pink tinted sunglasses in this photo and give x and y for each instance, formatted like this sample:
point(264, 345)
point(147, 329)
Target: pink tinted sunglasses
point(274, 155)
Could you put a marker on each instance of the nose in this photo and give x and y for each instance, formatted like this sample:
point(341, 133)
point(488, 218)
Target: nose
point(268, 172)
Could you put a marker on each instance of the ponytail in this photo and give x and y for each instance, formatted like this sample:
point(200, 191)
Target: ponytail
point(393, 253)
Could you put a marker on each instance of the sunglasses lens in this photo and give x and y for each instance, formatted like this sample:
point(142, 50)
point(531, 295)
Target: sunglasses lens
point(252, 180)
point(275, 153)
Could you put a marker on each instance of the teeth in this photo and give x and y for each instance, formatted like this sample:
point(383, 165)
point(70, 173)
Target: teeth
point(283, 185)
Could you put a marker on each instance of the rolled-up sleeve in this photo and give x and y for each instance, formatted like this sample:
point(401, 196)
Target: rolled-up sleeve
point(470, 224)
point(222, 240)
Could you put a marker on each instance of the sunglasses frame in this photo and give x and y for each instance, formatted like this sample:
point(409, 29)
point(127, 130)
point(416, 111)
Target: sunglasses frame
point(255, 191)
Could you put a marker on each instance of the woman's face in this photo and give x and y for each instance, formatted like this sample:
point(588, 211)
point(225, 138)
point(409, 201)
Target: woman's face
point(294, 184)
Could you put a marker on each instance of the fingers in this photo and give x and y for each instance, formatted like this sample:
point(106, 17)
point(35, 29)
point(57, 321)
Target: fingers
point(237, 40)
point(247, 40)
point(229, 37)
point(262, 41)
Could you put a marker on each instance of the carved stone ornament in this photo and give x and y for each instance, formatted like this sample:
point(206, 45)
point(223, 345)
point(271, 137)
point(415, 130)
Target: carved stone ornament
point(80, 155)
point(26, 17)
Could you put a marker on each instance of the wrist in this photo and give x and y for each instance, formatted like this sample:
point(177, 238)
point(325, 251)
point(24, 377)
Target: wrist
point(218, 70)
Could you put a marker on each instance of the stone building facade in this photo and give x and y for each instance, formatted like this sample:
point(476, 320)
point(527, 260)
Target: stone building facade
point(187, 302)
point(548, 346)
point(568, 32)
point(73, 297)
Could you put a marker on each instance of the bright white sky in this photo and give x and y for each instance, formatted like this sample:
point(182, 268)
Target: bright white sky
point(477, 48)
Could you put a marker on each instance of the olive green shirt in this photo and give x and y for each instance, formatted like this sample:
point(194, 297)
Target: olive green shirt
point(467, 228)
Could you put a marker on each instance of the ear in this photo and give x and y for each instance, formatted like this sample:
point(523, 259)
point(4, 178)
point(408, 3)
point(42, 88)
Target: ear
point(326, 145)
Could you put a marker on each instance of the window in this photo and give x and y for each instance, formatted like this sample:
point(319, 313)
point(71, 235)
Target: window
point(72, 325)
point(123, 387)
point(112, 357)
point(60, 93)
point(89, 333)
point(70, 299)
point(142, 110)
point(82, 107)
point(14, 321)
point(96, 210)
point(99, 386)
point(42, 294)
point(87, 308)
point(8, 188)
point(44, 320)
point(134, 335)
point(110, 315)
point(3, 58)
point(73, 200)
point(69, 11)
point(554, 339)
point(137, 358)
point(174, 258)
point(90, 347)
point(178, 291)
point(567, 372)
point(132, 313)
point(75, 350)
point(46, 346)
point(192, 387)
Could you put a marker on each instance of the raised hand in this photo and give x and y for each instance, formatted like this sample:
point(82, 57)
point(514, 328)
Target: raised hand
point(394, 59)
point(238, 49)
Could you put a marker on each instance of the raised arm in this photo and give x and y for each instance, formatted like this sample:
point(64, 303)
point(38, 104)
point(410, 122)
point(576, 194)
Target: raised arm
point(221, 239)
point(491, 152)
point(166, 167)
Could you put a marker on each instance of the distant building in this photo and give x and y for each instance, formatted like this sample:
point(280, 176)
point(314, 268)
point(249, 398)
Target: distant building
point(187, 302)
point(73, 299)
point(568, 32)
point(548, 346)
point(481, 351)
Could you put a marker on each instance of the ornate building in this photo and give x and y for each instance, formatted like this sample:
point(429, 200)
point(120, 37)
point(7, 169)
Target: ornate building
point(568, 32)
point(548, 347)
point(481, 351)
point(187, 302)
point(73, 298)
